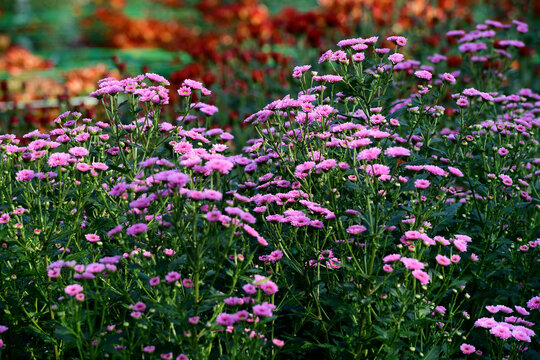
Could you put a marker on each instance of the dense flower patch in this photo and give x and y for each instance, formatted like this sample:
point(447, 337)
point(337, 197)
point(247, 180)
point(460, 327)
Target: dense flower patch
point(387, 210)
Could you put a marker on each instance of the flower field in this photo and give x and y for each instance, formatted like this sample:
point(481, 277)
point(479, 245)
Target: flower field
point(387, 207)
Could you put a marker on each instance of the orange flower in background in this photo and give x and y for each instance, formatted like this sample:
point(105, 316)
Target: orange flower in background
point(17, 59)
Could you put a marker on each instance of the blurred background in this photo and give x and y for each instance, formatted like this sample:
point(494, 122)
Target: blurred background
point(52, 52)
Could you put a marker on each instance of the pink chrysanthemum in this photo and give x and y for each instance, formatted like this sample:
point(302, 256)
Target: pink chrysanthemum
point(421, 276)
point(422, 184)
point(467, 349)
point(423, 74)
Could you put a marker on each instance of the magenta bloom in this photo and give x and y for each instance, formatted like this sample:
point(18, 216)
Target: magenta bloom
point(442, 260)
point(397, 151)
point(225, 319)
point(449, 77)
point(422, 184)
point(249, 289)
point(221, 165)
point(78, 151)
point(73, 290)
point(140, 306)
point(369, 154)
point(277, 342)
point(92, 237)
point(154, 281)
point(534, 303)
point(391, 258)
point(173, 276)
point(485, 322)
point(187, 283)
point(501, 331)
point(455, 171)
point(467, 349)
point(399, 40)
point(423, 74)
point(59, 159)
point(25, 175)
point(396, 58)
point(521, 335)
point(149, 349)
point(356, 229)
point(269, 287)
point(412, 264)
point(264, 309)
point(422, 276)
point(136, 229)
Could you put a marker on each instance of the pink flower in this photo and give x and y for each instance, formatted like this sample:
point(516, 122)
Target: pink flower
point(59, 159)
point(73, 290)
point(413, 235)
point(140, 306)
point(486, 323)
point(369, 154)
point(173, 276)
point(187, 283)
point(399, 40)
point(461, 245)
point(396, 58)
point(423, 74)
point(277, 342)
point(4, 219)
point(422, 276)
point(454, 171)
point(357, 57)
point(521, 335)
point(455, 259)
point(397, 151)
point(84, 167)
point(194, 320)
point(249, 289)
point(442, 260)
point(449, 77)
point(184, 91)
point(377, 170)
point(78, 151)
point(462, 102)
point(149, 349)
point(391, 258)
point(422, 184)
point(522, 310)
point(92, 237)
point(264, 309)
point(412, 264)
point(502, 151)
point(221, 165)
point(501, 331)
point(25, 175)
point(387, 268)
point(534, 303)
point(467, 349)
point(135, 315)
point(376, 119)
point(356, 229)
point(136, 229)
point(225, 319)
point(269, 287)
